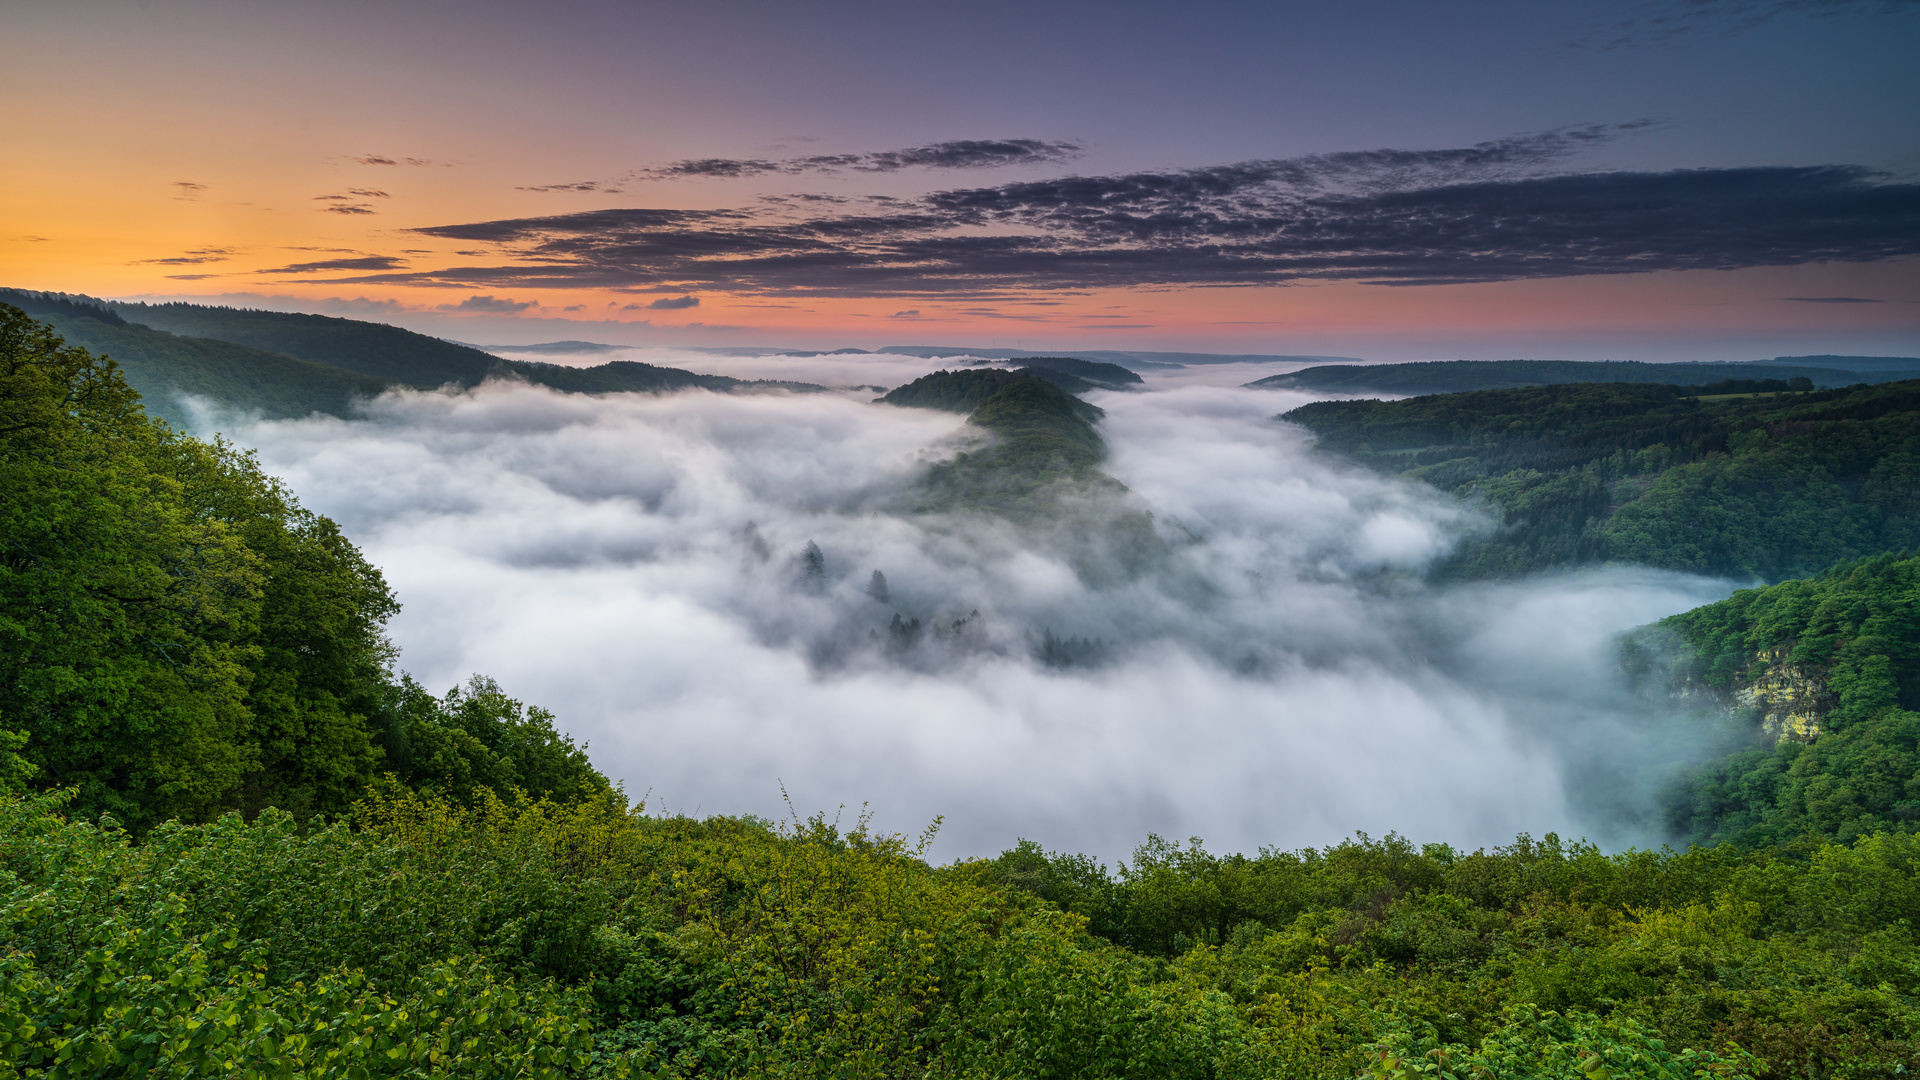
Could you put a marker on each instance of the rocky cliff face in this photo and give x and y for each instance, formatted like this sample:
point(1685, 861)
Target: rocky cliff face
point(1789, 699)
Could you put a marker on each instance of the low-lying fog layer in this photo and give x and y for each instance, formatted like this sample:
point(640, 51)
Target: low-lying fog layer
point(638, 565)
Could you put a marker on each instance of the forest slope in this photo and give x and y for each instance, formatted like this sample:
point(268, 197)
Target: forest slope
point(288, 365)
point(1763, 485)
point(403, 356)
point(1455, 376)
point(1819, 679)
point(162, 366)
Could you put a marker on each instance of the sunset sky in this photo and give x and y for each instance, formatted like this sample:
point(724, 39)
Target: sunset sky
point(1673, 179)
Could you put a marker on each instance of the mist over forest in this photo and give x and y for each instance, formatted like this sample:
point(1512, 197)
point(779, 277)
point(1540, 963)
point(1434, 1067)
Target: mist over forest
point(1279, 675)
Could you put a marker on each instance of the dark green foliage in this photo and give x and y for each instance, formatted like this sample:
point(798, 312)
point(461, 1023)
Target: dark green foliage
point(178, 636)
point(162, 366)
point(385, 352)
point(950, 391)
point(596, 941)
point(1456, 376)
point(1535, 955)
point(284, 365)
point(1045, 445)
point(1762, 485)
point(964, 391)
point(1040, 469)
point(1090, 370)
point(1856, 628)
point(629, 376)
point(402, 356)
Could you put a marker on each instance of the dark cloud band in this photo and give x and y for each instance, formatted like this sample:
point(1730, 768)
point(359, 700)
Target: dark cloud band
point(960, 154)
point(1493, 212)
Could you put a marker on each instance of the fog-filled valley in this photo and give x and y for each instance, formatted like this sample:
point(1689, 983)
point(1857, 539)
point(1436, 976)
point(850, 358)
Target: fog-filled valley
point(1278, 675)
point(442, 714)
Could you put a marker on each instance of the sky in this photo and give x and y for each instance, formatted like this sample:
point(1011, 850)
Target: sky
point(1653, 179)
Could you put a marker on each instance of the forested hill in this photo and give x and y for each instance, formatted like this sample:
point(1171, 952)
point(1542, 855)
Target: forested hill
point(402, 356)
point(1821, 678)
point(179, 637)
point(1454, 376)
point(376, 349)
point(1753, 485)
point(1044, 441)
point(287, 365)
point(163, 366)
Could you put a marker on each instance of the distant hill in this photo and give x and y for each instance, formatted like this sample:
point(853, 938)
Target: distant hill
point(1133, 361)
point(1455, 376)
point(1847, 363)
point(376, 349)
point(964, 390)
point(402, 356)
point(1091, 370)
point(164, 366)
point(1765, 485)
point(1046, 442)
point(286, 365)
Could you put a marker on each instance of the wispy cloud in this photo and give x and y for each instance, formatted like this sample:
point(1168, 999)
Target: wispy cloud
point(959, 154)
point(582, 186)
point(382, 159)
point(187, 189)
point(495, 305)
point(1498, 211)
point(190, 258)
point(1659, 21)
point(1832, 300)
point(367, 262)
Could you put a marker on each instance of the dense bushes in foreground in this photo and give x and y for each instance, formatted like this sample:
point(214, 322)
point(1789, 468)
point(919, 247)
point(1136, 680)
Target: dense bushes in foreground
point(524, 938)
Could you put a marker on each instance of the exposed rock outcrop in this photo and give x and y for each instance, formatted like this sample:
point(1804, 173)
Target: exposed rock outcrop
point(1791, 698)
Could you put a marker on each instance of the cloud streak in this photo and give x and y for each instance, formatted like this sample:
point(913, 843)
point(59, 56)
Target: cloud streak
point(1668, 20)
point(366, 262)
point(959, 154)
point(1498, 211)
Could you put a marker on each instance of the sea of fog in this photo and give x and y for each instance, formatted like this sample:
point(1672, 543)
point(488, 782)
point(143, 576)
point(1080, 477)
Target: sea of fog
point(635, 564)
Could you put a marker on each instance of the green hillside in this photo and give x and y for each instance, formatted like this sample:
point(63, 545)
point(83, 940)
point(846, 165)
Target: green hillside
point(1767, 485)
point(162, 366)
point(1044, 442)
point(403, 356)
point(1036, 464)
point(1456, 376)
point(285, 365)
point(1109, 375)
point(1821, 679)
point(234, 841)
point(385, 352)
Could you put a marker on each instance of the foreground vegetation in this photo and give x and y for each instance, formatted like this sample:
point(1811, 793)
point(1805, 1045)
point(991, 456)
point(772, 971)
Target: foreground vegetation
point(235, 842)
point(1768, 485)
point(523, 938)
